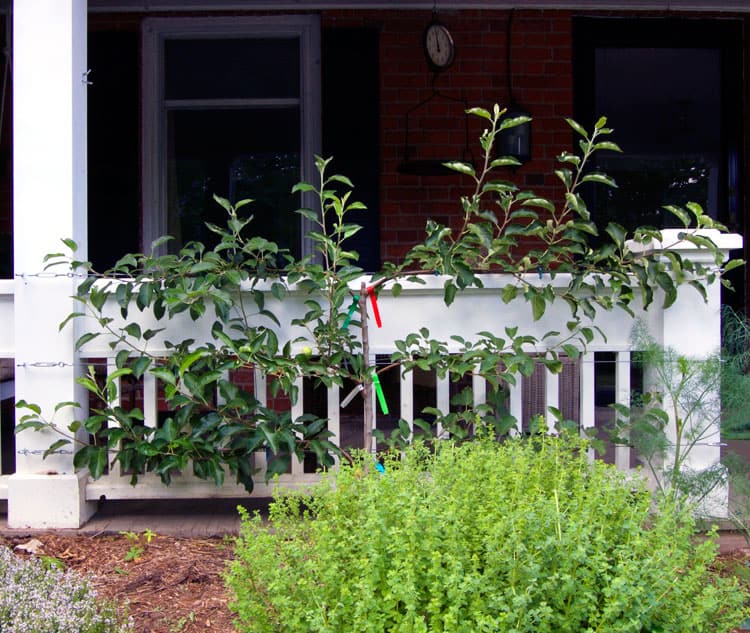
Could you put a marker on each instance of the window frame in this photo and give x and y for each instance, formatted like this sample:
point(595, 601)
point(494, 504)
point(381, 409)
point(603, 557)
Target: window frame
point(155, 32)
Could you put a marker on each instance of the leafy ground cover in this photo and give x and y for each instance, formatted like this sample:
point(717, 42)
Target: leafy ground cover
point(524, 536)
point(176, 585)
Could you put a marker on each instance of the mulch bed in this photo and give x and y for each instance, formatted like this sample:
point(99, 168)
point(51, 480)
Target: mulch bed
point(175, 585)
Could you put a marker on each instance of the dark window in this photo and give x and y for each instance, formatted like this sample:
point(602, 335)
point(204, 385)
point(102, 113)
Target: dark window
point(233, 129)
point(351, 110)
point(232, 68)
point(670, 89)
point(113, 149)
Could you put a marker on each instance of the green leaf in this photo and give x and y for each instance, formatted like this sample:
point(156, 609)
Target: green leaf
point(54, 447)
point(538, 305)
point(67, 403)
point(480, 112)
point(509, 122)
point(577, 127)
point(71, 244)
point(72, 315)
point(600, 178)
point(121, 359)
point(509, 293)
point(540, 202)
point(85, 338)
point(133, 329)
point(278, 465)
point(341, 179)
point(505, 161)
point(450, 292)
point(732, 264)
point(160, 240)
point(201, 267)
point(461, 168)
point(617, 233)
point(606, 145)
point(165, 375)
point(302, 187)
point(565, 176)
point(140, 366)
point(223, 202)
point(679, 213)
point(145, 293)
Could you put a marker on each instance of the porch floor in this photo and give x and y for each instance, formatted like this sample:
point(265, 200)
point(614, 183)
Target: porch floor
point(203, 518)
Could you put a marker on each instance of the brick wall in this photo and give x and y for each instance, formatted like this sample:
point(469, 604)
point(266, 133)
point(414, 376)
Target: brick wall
point(542, 82)
point(542, 79)
point(541, 65)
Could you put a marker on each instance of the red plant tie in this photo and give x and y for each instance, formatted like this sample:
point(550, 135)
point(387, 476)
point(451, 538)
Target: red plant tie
point(375, 311)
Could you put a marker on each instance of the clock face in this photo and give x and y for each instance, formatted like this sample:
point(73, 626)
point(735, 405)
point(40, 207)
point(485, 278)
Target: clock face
point(438, 46)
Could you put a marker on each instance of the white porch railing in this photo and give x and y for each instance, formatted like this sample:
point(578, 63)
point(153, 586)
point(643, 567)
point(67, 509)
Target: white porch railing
point(691, 325)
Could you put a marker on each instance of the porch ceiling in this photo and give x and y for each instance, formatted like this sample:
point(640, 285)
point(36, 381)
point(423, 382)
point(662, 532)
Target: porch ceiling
point(638, 5)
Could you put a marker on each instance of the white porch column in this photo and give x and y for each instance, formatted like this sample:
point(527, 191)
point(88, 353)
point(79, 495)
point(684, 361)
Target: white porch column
point(692, 327)
point(49, 134)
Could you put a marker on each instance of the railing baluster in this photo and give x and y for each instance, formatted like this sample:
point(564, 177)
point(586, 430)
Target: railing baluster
point(407, 398)
point(334, 415)
point(551, 395)
point(114, 468)
point(479, 387)
point(443, 395)
point(261, 395)
point(298, 409)
point(588, 391)
point(150, 400)
point(622, 396)
point(515, 396)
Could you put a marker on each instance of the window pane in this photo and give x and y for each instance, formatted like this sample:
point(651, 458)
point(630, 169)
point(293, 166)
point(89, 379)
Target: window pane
point(232, 68)
point(665, 107)
point(235, 154)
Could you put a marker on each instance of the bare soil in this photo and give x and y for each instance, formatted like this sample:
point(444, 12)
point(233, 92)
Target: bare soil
point(172, 585)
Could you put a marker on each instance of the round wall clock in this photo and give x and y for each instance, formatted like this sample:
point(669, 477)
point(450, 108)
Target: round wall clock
point(438, 46)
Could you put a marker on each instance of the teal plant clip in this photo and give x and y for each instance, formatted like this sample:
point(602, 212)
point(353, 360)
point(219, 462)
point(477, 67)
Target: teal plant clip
point(350, 313)
point(379, 392)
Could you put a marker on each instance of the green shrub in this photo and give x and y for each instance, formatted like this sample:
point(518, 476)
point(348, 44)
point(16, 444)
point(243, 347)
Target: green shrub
point(40, 598)
point(519, 536)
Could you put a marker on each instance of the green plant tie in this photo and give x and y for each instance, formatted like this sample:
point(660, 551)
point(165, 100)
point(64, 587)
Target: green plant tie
point(379, 392)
